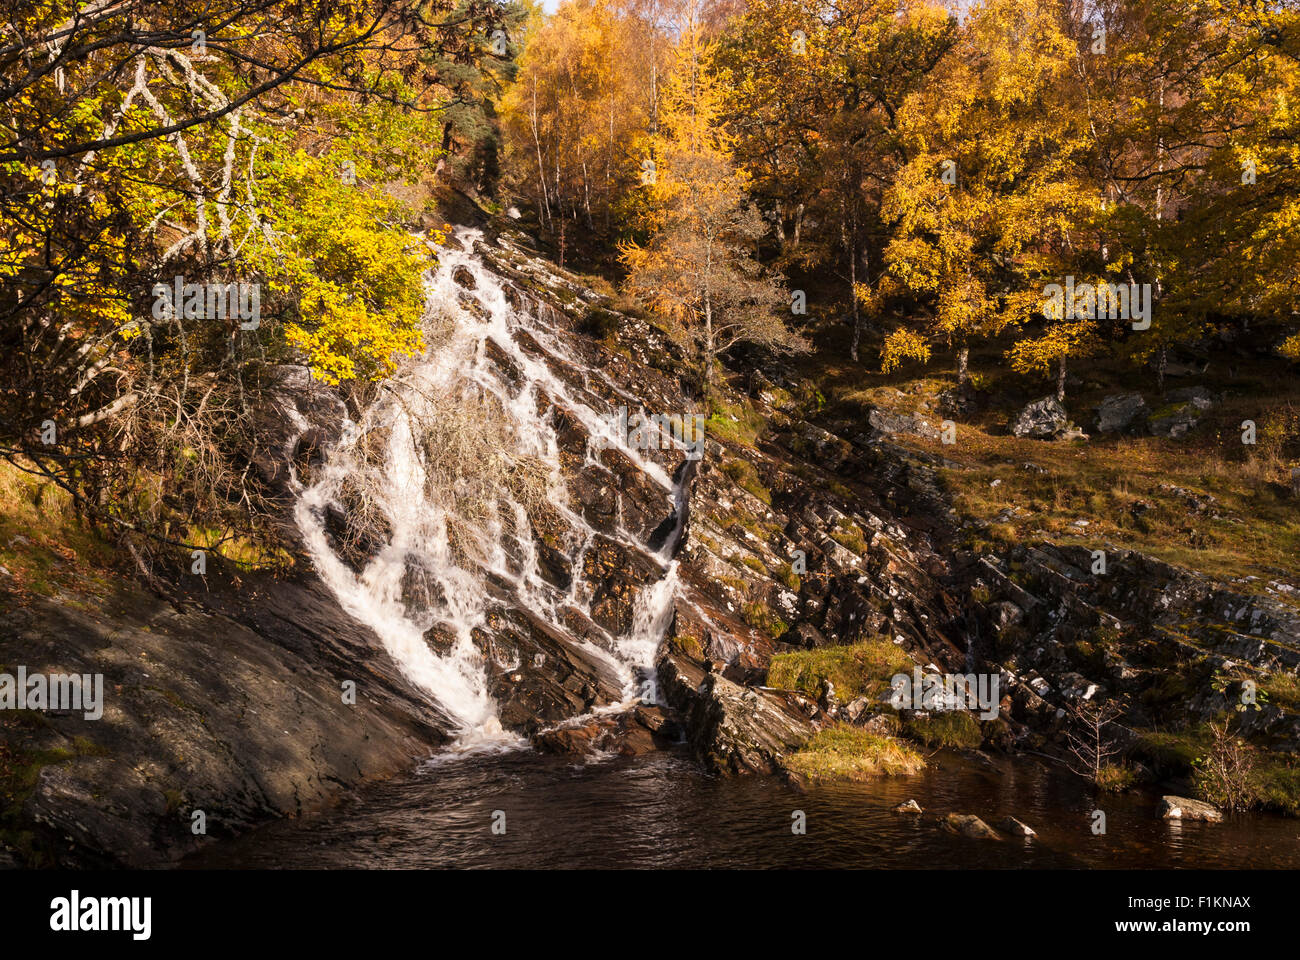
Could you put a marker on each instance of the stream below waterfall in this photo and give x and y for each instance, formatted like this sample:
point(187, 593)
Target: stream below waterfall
point(662, 810)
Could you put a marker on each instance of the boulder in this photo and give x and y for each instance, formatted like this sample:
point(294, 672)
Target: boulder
point(1043, 419)
point(880, 725)
point(1196, 395)
point(1004, 614)
point(908, 806)
point(737, 730)
point(1181, 414)
point(1183, 808)
point(464, 278)
point(1016, 828)
point(1122, 413)
point(564, 740)
point(858, 710)
point(440, 638)
point(885, 424)
point(969, 825)
point(655, 720)
point(957, 403)
point(827, 699)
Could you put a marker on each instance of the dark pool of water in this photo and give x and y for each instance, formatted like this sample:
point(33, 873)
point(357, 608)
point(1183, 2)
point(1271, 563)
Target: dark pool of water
point(662, 810)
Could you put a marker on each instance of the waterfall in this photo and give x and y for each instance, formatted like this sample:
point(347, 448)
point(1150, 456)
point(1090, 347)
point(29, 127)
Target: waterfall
point(428, 564)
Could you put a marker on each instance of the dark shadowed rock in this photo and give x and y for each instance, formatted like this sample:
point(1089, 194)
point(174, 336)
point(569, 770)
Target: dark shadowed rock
point(1198, 395)
point(804, 635)
point(235, 707)
point(1016, 828)
point(616, 574)
point(503, 362)
point(885, 424)
point(1182, 414)
point(1121, 414)
point(303, 418)
point(969, 825)
point(537, 674)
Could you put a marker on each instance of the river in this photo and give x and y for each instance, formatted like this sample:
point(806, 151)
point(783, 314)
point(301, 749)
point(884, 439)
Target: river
point(663, 810)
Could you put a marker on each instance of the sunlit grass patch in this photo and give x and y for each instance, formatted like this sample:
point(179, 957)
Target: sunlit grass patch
point(1276, 784)
point(959, 729)
point(859, 669)
point(43, 543)
point(1137, 493)
point(842, 752)
point(746, 477)
point(759, 616)
point(735, 423)
point(1283, 689)
point(1169, 753)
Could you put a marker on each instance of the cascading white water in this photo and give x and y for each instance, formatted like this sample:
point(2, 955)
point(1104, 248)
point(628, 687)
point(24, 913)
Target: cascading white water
point(418, 522)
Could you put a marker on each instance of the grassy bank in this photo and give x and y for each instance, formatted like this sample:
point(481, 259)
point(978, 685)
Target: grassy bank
point(841, 752)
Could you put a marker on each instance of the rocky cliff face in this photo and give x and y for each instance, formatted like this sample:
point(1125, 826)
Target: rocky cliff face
point(620, 595)
point(1169, 645)
point(877, 544)
point(708, 559)
point(230, 705)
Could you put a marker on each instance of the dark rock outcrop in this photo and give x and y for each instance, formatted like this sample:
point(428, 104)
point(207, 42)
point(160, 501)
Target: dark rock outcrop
point(1121, 414)
point(969, 825)
point(736, 729)
point(1182, 413)
point(241, 707)
point(1183, 808)
point(303, 417)
point(1043, 419)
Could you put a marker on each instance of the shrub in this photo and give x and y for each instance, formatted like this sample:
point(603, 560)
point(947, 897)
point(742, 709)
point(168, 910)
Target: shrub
point(1114, 777)
point(959, 729)
point(1225, 774)
point(759, 616)
point(848, 534)
point(599, 323)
